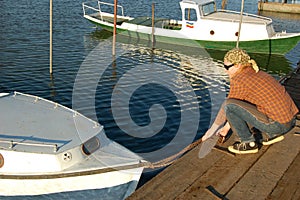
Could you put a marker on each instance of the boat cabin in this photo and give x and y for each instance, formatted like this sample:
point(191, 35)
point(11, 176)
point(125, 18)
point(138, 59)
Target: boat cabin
point(202, 19)
point(192, 10)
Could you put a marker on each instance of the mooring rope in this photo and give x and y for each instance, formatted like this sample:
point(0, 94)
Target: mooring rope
point(169, 160)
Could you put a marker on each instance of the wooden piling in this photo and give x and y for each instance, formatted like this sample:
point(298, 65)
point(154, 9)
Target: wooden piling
point(51, 38)
point(224, 2)
point(152, 38)
point(115, 27)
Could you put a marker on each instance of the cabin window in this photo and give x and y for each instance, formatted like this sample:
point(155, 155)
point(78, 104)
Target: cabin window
point(209, 8)
point(91, 146)
point(190, 14)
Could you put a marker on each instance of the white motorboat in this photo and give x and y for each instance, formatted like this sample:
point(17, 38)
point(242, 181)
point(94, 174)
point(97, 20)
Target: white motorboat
point(200, 24)
point(47, 148)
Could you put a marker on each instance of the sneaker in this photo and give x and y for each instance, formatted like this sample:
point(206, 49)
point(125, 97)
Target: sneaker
point(243, 147)
point(273, 140)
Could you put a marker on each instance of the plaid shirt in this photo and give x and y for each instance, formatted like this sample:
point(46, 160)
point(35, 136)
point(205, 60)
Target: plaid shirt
point(262, 90)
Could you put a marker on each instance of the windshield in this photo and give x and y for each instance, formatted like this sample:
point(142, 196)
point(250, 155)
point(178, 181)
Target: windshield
point(208, 8)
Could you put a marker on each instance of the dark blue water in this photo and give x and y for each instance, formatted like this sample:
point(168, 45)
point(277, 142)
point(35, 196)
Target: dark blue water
point(153, 102)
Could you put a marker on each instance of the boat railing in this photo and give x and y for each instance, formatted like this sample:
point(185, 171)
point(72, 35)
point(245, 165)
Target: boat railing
point(12, 144)
point(91, 7)
point(266, 19)
point(190, 1)
point(87, 8)
point(56, 105)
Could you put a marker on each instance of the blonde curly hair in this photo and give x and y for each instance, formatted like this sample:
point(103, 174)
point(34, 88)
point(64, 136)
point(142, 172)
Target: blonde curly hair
point(239, 56)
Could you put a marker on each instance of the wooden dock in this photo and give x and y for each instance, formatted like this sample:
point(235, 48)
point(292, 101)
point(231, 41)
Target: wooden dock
point(279, 7)
point(272, 173)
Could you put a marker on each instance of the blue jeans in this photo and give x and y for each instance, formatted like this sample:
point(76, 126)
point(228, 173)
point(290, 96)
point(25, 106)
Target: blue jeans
point(240, 114)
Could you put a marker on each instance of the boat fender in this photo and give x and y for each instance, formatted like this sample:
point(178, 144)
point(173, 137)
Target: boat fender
point(1, 160)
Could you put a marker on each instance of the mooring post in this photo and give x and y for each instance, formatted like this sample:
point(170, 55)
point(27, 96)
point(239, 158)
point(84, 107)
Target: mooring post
point(115, 28)
point(152, 38)
point(50, 53)
point(224, 2)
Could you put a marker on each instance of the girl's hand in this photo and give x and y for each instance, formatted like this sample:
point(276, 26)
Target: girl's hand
point(224, 131)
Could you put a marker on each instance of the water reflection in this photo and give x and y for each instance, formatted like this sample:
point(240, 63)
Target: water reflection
point(272, 63)
point(275, 64)
point(114, 68)
point(52, 87)
point(143, 68)
point(278, 15)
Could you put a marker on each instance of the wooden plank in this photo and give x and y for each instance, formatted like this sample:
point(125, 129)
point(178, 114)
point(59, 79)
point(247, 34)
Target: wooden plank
point(262, 178)
point(221, 177)
point(174, 180)
point(253, 176)
point(289, 186)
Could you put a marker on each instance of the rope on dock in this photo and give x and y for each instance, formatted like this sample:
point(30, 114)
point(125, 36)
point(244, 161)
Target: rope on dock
point(171, 159)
